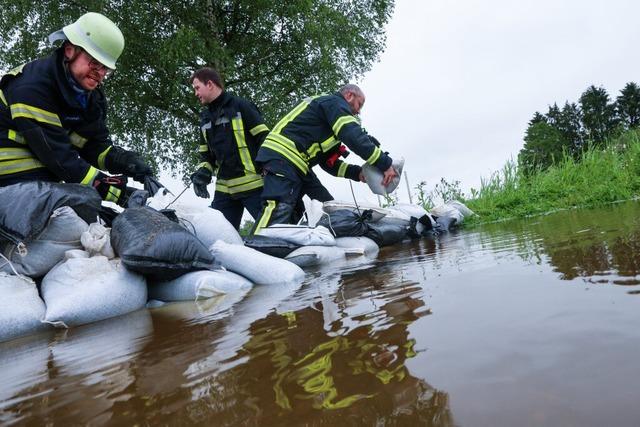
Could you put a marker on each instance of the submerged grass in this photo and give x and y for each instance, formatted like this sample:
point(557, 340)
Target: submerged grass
point(601, 176)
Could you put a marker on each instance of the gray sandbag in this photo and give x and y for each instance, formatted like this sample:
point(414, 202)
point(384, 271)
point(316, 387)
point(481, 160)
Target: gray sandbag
point(86, 289)
point(21, 308)
point(259, 268)
point(374, 177)
point(273, 246)
point(387, 234)
point(346, 223)
point(199, 285)
point(36, 257)
point(35, 201)
point(151, 244)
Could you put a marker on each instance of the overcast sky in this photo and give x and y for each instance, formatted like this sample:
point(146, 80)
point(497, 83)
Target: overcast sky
point(460, 79)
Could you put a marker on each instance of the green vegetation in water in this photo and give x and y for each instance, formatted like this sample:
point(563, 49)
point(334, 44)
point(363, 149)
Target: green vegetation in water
point(599, 176)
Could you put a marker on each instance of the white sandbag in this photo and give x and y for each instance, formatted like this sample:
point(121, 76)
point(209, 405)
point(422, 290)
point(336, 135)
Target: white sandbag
point(300, 234)
point(366, 245)
point(377, 213)
point(84, 290)
point(313, 210)
point(307, 256)
point(199, 285)
point(61, 234)
point(97, 240)
point(374, 177)
point(209, 225)
point(259, 268)
point(21, 308)
point(415, 211)
point(395, 217)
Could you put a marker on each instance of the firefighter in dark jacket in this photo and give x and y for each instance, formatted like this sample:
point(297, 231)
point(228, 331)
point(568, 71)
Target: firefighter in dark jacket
point(53, 114)
point(232, 131)
point(309, 135)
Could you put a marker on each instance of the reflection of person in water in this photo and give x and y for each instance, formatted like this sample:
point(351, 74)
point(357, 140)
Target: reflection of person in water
point(360, 373)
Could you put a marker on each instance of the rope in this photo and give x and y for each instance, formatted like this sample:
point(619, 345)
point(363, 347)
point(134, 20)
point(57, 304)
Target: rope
point(178, 196)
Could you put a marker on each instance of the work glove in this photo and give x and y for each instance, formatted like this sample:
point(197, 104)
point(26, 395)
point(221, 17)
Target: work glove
point(112, 188)
point(121, 161)
point(201, 178)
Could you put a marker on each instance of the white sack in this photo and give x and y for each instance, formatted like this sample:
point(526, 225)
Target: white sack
point(85, 290)
point(300, 234)
point(259, 268)
point(316, 255)
point(21, 308)
point(374, 177)
point(199, 285)
point(97, 240)
point(366, 245)
point(208, 225)
point(61, 234)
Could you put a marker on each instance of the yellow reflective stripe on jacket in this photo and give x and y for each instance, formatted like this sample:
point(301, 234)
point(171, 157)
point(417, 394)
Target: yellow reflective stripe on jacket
point(313, 150)
point(205, 165)
point(113, 194)
point(35, 113)
point(329, 143)
point(77, 140)
point(203, 148)
point(266, 216)
point(238, 131)
point(287, 148)
point(259, 129)
point(374, 156)
point(15, 136)
point(239, 185)
point(293, 113)
point(103, 156)
point(90, 176)
point(342, 170)
point(21, 165)
point(337, 126)
point(15, 153)
point(3, 99)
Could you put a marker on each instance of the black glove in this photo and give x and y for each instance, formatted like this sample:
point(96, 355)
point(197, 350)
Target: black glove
point(201, 178)
point(121, 161)
point(112, 188)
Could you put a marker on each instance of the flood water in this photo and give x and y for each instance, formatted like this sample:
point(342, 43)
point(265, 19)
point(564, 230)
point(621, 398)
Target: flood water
point(521, 323)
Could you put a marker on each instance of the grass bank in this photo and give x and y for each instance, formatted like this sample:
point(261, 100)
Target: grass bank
point(601, 176)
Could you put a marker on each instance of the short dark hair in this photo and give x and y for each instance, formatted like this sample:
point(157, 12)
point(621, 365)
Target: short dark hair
point(207, 74)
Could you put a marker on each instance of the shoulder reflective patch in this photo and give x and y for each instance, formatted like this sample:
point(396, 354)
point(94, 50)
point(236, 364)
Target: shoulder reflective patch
point(259, 129)
point(337, 126)
point(17, 70)
point(35, 113)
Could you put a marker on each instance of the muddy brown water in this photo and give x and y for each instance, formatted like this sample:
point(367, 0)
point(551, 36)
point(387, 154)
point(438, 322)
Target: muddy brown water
point(521, 323)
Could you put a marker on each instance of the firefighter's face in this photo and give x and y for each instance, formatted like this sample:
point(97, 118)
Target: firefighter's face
point(355, 101)
point(206, 93)
point(85, 70)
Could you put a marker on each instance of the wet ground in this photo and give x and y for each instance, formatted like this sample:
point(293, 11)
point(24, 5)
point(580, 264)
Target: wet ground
point(521, 323)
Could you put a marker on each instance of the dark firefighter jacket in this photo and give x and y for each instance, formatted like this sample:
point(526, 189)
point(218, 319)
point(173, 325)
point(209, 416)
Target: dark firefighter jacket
point(45, 133)
point(232, 131)
point(313, 130)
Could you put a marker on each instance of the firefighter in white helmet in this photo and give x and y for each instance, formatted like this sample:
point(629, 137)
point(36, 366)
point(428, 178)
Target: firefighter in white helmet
point(53, 114)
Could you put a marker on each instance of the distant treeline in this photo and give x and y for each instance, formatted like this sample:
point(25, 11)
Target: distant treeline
point(576, 128)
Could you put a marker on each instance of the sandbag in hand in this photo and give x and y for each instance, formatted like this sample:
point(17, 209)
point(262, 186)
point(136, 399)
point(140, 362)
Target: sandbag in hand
point(200, 179)
point(111, 188)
